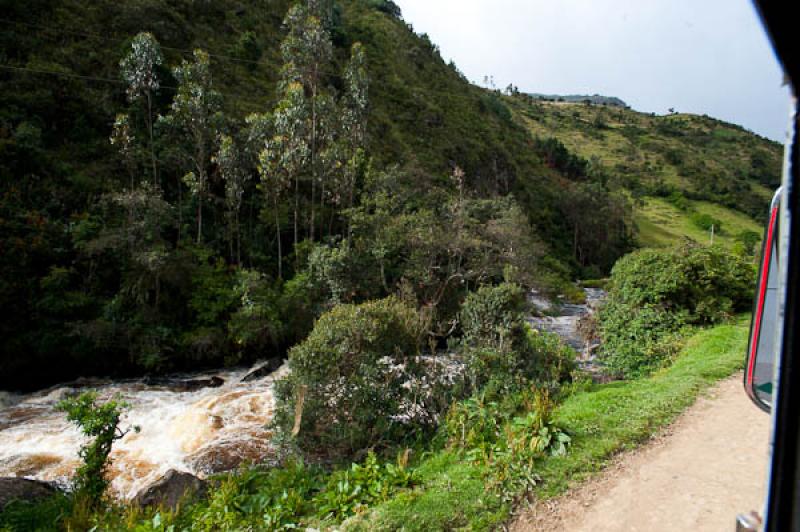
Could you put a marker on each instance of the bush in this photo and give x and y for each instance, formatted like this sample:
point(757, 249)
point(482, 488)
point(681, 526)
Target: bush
point(706, 222)
point(345, 391)
point(101, 422)
point(350, 491)
point(493, 334)
point(500, 351)
point(654, 294)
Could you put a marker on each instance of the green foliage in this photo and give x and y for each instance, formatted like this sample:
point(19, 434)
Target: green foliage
point(491, 314)
point(706, 222)
point(134, 189)
point(247, 47)
point(507, 441)
point(350, 491)
point(500, 351)
point(600, 420)
point(44, 515)
point(101, 423)
point(653, 294)
point(749, 241)
point(346, 388)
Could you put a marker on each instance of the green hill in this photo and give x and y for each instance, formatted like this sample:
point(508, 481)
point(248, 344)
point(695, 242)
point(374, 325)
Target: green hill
point(682, 170)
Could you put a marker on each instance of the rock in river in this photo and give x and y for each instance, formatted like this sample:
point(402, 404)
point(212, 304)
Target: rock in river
point(267, 368)
point(170, 490)
point(14, 488)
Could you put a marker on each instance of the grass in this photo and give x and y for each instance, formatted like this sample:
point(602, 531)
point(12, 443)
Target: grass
point(603, 420)
point(661, 224)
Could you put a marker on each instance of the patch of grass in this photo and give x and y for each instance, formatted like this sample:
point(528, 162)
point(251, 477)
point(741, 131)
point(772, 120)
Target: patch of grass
point(661, 224)
point(614, 417)
point(603, 420)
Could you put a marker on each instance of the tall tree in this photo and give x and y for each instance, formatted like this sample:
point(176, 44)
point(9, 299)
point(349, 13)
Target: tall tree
point(306, 52)
point(124, 140)
point(233, 169)
point(354, 120)
point(195, 112)
point(138, 69)
point(286, 153)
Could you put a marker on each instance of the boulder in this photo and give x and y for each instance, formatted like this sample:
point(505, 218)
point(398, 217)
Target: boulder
point(23, 489)
point(184, 385)
point(171, 489)
point(264, 369)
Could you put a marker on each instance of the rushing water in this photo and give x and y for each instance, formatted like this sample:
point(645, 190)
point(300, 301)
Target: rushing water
point(566, 322)
point(201, 431)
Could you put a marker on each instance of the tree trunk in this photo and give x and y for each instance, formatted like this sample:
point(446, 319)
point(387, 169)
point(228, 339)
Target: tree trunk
point(152, 143)
point(278, 236)
point(314, 168)
point(296, 206)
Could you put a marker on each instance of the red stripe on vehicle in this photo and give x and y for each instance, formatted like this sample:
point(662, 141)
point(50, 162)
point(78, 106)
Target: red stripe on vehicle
point(762, 291)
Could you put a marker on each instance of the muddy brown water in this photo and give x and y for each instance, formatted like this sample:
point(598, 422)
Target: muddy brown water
point(200, 431)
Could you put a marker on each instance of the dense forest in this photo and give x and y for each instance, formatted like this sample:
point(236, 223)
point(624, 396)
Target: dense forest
point(188, 184)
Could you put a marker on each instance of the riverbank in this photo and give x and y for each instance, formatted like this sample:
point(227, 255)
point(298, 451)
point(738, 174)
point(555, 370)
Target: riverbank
point(434, 487)
point(603, 420)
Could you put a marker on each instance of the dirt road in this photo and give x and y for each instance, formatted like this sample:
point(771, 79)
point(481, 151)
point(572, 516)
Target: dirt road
point(707, 467)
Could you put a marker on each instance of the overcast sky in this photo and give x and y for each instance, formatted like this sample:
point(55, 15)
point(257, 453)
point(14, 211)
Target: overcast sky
point(698, 56)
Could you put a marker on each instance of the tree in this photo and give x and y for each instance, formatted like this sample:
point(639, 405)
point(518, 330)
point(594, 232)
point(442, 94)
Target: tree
point(306, 51)
point(195, 112)
point(124, 140)
point(231, 162)
point(286, 153)
point(101, 422)
point(138, 69)
point(354, 120)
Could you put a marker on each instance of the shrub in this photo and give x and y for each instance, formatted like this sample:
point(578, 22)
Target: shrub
point(508, 437)
point(490, 316)
point(101, 422)
point(350, 491)
point(654, 294)
point(500, 351)
point(706, 221)
point(345, 391)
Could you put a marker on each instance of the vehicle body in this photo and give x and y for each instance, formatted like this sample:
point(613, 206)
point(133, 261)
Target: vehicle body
point(772, 369)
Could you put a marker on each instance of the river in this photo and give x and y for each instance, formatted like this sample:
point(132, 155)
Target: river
point(564, 320)
point(202, 431)
point(207, 430)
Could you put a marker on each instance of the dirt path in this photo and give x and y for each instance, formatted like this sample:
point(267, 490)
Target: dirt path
point(707, 467)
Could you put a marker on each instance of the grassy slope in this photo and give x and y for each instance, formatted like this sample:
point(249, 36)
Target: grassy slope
point(681, 152)
point(603, 420)
point(661, 224)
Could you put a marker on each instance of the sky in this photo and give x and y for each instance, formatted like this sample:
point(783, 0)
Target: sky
point(698, 56)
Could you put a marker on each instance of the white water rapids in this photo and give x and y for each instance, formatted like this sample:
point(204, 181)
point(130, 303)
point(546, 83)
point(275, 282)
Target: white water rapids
point(201, 432)
point(566, 324)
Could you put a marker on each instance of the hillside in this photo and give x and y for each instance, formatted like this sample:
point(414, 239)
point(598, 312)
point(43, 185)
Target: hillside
point(138, 256)
point(677, 167)
point(145, 255)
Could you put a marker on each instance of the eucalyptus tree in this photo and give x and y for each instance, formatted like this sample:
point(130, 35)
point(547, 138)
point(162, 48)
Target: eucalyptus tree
point(124, 140)
point(354, 120)
point(138, 69)
point(286, 154)
point(196, 113)
point(307, 51)
point(232, 164)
